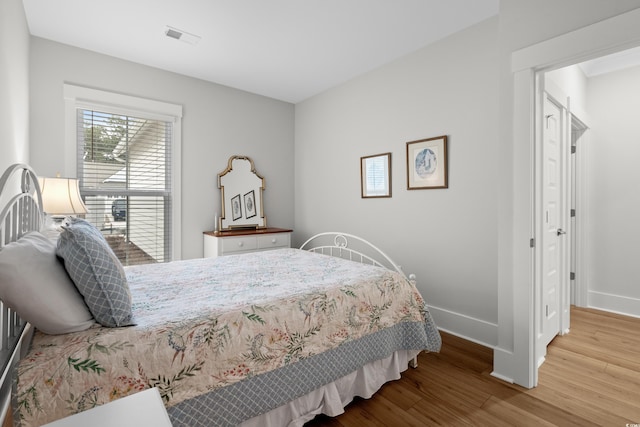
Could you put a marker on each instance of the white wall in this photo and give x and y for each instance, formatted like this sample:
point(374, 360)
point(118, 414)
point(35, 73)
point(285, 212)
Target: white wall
point(447, 237)
point(614, 234)
point(573, 82)
point(14, 84)
point(218, 122)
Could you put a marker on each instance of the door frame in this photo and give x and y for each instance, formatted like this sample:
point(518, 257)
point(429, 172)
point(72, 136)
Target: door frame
point(515, 359)
point(580, 223)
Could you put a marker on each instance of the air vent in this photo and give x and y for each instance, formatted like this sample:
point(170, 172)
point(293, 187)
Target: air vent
point(183, 36)
point(173, 34)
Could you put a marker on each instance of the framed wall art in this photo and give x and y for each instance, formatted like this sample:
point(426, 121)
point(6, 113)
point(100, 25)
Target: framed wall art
point(236, 207)
point(375, 175)
point(427, 163)
point(250, 204)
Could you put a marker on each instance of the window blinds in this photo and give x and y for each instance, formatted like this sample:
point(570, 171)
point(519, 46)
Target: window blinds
point(124, 170)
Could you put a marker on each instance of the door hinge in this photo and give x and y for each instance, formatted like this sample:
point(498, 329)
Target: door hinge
point(573, 149)
point(573, 213)
point(532, 243)
point(572, 276)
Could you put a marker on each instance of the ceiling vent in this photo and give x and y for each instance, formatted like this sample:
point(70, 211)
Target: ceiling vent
point(183, 36)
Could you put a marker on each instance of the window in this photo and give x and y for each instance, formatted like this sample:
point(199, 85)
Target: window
point(125, 161)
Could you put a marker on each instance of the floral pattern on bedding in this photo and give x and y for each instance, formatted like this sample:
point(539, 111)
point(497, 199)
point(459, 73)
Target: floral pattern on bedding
point(207, 323)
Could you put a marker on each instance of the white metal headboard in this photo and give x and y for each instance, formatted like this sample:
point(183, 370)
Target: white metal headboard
point(20, 214)
point(350, 247)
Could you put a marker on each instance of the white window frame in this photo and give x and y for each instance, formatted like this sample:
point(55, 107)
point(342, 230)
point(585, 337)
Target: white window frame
point(94, 99)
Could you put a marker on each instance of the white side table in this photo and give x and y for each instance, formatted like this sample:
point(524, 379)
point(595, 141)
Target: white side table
point(144, 408)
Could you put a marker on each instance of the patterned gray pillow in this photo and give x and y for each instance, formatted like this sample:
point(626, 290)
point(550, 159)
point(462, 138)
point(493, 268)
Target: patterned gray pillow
point(96, 272)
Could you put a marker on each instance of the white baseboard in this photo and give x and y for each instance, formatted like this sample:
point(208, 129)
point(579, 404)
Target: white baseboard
point(501, 377)
point(469, 328)
point(614, 303)
point(502, 365)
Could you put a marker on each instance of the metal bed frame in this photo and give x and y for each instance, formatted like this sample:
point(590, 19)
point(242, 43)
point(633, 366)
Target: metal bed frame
point(21, 201)
point(21, 214)
point(354, 248)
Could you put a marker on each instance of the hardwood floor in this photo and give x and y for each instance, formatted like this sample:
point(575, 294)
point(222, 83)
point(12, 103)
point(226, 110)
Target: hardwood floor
point(591, 377)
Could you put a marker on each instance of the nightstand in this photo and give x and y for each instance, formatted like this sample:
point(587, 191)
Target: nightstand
point(144, 408)
point(241, 241)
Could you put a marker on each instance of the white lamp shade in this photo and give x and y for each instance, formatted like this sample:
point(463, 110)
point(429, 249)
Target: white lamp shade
point(61, 196)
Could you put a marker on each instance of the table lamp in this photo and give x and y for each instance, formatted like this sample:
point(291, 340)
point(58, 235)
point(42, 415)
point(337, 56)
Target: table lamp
point(61, 197)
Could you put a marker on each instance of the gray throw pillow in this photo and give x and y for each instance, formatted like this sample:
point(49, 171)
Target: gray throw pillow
point(96, 272)
point(34, 283)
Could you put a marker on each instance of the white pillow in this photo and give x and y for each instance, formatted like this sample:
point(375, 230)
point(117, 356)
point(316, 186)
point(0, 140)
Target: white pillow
point(34, 283)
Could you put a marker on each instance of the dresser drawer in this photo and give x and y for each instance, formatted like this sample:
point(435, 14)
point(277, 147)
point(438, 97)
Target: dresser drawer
point(220, 243)
point(238, 244)
point(274, 240)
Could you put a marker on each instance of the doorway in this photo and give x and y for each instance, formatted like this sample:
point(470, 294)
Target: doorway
point(515, 355)
point(561, 186)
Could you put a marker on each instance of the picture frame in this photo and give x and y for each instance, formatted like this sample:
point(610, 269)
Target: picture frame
point(236, 207)
point(375, 176)
point(427, 163)
point(250, 204)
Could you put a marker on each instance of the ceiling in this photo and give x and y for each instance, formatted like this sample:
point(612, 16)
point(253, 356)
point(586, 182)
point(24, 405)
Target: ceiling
point(284, 49)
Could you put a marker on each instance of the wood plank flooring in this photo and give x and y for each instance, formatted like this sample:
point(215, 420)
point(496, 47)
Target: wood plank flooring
point(591, 377)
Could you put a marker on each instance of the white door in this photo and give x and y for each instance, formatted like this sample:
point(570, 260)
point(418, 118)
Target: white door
point(553, 232)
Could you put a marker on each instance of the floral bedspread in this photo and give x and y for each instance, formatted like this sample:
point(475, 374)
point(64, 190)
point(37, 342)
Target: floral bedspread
point(207, 323)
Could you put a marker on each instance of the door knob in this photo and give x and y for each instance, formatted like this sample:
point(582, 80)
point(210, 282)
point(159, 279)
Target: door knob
point(560, 232)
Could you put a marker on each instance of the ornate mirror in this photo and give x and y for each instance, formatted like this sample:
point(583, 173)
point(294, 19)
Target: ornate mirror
point(241, 191)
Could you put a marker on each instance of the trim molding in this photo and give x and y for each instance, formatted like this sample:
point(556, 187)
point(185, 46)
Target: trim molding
point(503, 358)
point(471, 329)
point(614, 303)
point(581, 44)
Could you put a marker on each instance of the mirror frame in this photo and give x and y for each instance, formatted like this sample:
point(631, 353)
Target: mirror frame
point(243, 198)
point(366, 170)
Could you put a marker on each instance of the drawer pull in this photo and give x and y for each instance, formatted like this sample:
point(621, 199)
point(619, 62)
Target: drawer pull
point(274, 240)
point(240, 244)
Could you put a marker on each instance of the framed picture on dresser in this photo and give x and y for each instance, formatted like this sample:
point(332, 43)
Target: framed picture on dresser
point(236, 208)
point(250, 204)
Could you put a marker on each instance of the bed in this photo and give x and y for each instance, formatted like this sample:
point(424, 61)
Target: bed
point(257, 339)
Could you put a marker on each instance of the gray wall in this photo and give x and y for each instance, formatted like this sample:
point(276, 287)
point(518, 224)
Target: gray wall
point(14, 84)
point(218, 122)
point(447, 237)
